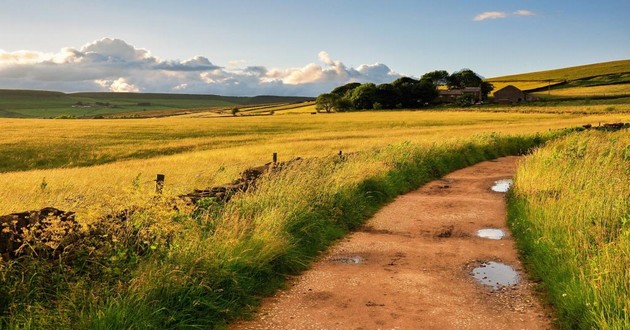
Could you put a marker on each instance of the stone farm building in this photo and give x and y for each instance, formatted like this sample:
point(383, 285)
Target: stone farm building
point(510, 94)
point(450, 95)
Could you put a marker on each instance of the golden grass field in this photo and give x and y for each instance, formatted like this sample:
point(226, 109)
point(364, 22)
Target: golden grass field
point(174, 266)
point(210, 151)
point(606, 90)
point(571, 213)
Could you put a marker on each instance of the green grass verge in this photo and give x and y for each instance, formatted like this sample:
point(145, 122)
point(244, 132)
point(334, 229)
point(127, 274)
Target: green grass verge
point(221, 259)
point(570, 214)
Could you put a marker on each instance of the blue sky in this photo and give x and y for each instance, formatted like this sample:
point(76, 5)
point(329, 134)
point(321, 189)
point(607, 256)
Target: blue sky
point(252, 47)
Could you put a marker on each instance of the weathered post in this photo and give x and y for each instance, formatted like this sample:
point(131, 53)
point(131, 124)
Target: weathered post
point(275, 157)
point(340, 154)
point(159, 184)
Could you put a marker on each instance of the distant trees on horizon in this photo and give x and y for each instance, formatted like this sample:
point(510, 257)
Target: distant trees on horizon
point(404, 92)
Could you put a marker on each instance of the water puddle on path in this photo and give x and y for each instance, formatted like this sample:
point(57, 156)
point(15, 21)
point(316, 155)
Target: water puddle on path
point(353, 260)
point(502, 185)
point(490, 233)
point(495, 274)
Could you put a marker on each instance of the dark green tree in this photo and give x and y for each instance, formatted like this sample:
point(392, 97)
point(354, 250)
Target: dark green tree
point(387, 96)
point(326, 102)
point(426, 92)
point(345, 90)
point(364, 96)
point(407, 89)
point(468, 78)
point(437, 78)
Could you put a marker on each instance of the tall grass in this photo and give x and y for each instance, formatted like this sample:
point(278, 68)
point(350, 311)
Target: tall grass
point(570, 212)
point(218, 260)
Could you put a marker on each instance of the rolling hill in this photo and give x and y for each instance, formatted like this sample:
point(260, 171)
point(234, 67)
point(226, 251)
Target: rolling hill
point(599, 79)
point(46, 104)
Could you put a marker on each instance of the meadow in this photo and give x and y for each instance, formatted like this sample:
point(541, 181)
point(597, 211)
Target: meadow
point(173, 265)
point(592, 74)
point(570, 212)
point(47, 104)
point(83, 162)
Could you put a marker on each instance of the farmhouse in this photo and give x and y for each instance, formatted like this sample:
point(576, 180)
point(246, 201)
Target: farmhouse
point(450, 95)
point(509, 94)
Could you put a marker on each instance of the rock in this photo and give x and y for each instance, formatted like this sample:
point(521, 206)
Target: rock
point(38, 224)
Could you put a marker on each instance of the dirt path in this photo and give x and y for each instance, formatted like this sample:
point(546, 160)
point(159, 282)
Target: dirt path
point(409, 267)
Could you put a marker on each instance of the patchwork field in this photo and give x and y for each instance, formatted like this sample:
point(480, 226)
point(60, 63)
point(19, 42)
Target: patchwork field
point(97, 158)
point(601, 79)
point(134, 252)
point(45, 104)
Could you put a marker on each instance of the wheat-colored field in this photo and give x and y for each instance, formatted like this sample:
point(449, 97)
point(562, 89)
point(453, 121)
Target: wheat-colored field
point(170, 265)
point(102, 165)
point(605, 90)
point(571, 215)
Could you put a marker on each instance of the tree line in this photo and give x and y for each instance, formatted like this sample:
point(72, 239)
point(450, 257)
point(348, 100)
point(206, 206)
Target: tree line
point(401, 93)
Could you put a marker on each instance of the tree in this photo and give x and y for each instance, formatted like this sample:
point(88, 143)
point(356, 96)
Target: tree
point(437, 78)
point(326, 102)
point(405, 87)
point(425, 91)
point(343, 104)
point(345, 90)
point(235, 111)
point(387, 96)
point(415, 93)
point(468, 78)
point(364, 96)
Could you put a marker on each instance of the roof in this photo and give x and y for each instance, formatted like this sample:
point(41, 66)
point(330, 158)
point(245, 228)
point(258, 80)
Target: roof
point(508, 88)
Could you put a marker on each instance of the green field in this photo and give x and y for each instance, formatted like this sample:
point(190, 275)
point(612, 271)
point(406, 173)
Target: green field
point(577, 79)
point(570, 212)
point(44, 104)
point(168, 264)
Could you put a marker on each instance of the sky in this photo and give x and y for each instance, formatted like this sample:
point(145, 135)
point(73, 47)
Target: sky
point(293, 47)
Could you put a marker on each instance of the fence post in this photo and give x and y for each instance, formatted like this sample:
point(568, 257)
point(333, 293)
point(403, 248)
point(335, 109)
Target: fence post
point(159, 184)
point(340, 154)
point(275, 157)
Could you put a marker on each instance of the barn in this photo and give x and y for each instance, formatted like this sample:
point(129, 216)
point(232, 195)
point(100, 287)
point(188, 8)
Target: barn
point(509, 94)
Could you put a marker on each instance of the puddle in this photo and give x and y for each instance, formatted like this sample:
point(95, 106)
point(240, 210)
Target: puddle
point(495, 274)
point(502, 185)
point(347, 260)
point(490, 233)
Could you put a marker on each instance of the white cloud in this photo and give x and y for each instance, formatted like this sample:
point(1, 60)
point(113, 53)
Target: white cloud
point(501, 14)
point(490, 15)
point(524, 12)
point(115, 65)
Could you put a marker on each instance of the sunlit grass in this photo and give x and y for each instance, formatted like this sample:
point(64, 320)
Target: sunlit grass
point(210, 151)
point(570, 211)
point(208, 267)
point(605, 90)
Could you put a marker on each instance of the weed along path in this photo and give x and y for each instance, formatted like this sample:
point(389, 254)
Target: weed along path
point(419, 263)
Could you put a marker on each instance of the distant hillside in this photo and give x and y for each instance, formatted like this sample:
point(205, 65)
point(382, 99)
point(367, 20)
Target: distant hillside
point(580, 79)
point(45, 104)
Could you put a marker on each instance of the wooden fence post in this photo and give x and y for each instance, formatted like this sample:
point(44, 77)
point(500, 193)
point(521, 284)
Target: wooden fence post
point(159, 184)
point(275, 157)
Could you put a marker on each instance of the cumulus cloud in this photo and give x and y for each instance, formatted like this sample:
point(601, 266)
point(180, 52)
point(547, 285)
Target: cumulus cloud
point(115, 65)
point(490, 15)
point(501, 14)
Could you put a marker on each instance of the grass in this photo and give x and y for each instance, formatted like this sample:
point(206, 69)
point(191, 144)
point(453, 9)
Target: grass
point(598, 74)
point(570, 212)
point(603, 90)
point(94, 167)
point(212, 265)
point(44, 104)
point(571, 73)
point(174, 266)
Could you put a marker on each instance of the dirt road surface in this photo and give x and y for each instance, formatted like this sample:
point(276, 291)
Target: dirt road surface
point(410, 267)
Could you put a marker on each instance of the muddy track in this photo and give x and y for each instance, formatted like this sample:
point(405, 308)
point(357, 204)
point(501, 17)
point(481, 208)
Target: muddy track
point(411, 265)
